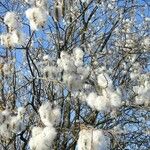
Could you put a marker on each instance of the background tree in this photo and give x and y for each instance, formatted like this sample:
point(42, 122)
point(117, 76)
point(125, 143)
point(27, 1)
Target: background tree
point(74, 74)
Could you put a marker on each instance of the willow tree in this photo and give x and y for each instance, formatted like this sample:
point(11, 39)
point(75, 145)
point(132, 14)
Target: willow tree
point(74, 74)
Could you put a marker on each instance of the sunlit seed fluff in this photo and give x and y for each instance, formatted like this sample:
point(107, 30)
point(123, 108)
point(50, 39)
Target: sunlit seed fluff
point(31, 2)
point(78, 53)
point(72, 80)
point(1, 118)
point(64, 54)
point(85, 73)
point(36, 143)
point(133, 75)
point(12, 20)
point(56, 115)
point(46, 57)
point(91, 100)
point(4, 116)
point(15, 123)
point(7, 40)
point(48, 114)
point(41, 3)
point(92, 140)
point(12, 39)
point(78, 56)
point(6, 113)
point(18, 37)
point(45, 113)
point(104, 80)
point(66, 62)
point(42, 138)
point(7, 68)
point(5, 131)
point(36, 131)
point(99, 103)
point(21, 112)
point(84, 140)
point(115, 99)
point(32, 144)
point(82, 96)
point(49, 133)
point(143, 93)
point(37, 17)
point(51, 72)
point(78, 63)
point(146, 43)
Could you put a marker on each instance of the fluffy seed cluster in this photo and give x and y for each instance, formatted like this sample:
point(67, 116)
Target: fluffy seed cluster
point(92, 140)
point(14, 37)
point(48, 114)
point(38, 3)
point(146, 43)
point(42, 138)
point(11, 19)
point(74, 72)
point(107, 99)
point(10, 123)
point(37, 15)
point(31, 2)
point(143, 93)
point(41, 3)
point(7, 40)
point(7, 68)
point(50, 70)
point(104, 80)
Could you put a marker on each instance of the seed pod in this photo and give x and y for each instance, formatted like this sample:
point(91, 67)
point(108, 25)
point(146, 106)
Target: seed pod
point(58, 12)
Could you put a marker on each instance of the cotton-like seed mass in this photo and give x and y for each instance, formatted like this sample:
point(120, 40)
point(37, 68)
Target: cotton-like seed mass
point(7, 40)
point(41, 3)
point(51, 72)
point(12, 20)
point(21, 112)
point(78, 53)
point(36, 131)
point(78, 57)
point(110, 98)
point(37, 17)
point(97, 102)
point(146, 43)
point(91, 99)
point(101, 103)
point(74, 74)
point(143, 93)
point(31, 2)
point(12, 39)
point(9, 124)
point(92, 139)
point(104, 80)
point(5, 131)
point(115, 99)
point(42, 138)
point(48, 114)
point(15, 123)
point(46, 57)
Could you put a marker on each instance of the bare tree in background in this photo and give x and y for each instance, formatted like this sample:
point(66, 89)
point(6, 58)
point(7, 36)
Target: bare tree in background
point(75, 74)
